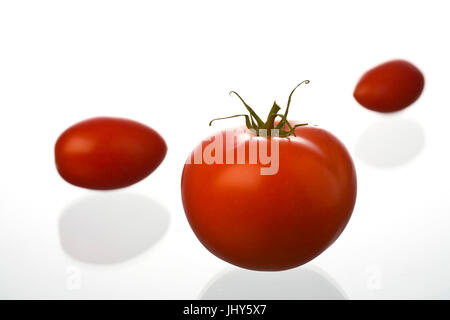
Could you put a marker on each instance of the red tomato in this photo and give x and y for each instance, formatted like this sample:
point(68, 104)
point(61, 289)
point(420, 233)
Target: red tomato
point(108, 153)
point(389, 87)
point(270, 221)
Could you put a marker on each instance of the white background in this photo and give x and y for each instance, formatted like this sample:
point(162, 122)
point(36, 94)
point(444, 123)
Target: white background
point(170, 65)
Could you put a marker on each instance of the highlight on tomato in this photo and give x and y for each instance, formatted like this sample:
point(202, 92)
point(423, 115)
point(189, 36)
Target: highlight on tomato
point(107, 153)
point(390, 87)
point(270, 195)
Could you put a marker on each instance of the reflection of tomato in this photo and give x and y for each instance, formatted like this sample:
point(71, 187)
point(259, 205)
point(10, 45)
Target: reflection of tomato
point(389, 87)
point(272, 222)
point(108, 153)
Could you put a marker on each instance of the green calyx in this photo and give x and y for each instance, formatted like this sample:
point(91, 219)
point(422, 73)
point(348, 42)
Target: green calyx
point(254, 122)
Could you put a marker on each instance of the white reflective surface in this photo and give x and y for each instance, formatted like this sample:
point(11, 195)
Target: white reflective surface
point(170, 65)
point(295, 284)
point(111, 228)
point(390, 142)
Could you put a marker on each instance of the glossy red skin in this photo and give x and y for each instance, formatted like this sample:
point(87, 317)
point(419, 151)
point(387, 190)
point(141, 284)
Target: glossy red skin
point(390, 87)
point(108, 153)
point(273, 222)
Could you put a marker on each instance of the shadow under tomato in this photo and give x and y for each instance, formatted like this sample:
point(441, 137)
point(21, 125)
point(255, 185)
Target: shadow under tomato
point(304, 283)
point(111, 228)
point(390, 142)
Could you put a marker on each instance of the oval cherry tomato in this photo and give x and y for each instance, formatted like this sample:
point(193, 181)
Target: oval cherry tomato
point(272, 221)
point(108, 153)
point(389, 87)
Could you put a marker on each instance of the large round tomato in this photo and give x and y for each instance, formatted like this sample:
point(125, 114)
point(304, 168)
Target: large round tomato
point(108, 153)
point(389, 87)
point(275, 219)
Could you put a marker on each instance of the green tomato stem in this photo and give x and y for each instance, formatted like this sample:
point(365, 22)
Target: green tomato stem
point(254, 122)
